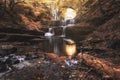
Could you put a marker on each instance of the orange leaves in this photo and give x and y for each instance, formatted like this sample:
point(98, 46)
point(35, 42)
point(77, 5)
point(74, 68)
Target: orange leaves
point(30, 24)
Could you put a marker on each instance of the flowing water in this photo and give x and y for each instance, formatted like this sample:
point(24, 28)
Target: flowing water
point(64, 26)
point(71, 22)
point(54, 10)
point(54, 44)
point(57, 44)
point(50, 32)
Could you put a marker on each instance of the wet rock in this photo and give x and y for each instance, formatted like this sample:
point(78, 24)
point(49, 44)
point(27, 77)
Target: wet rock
point(51, 56)
point(34, 56)
point(7, 61)
point(114, 44)
point(31, 56)
point(22, 65)
point(2, 67)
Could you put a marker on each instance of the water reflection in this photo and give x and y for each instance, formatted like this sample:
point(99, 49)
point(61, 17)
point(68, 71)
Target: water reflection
point(56, 44)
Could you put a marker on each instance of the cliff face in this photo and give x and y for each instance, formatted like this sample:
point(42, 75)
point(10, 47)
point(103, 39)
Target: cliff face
point(102, 17)
point(104, 39)
point(106, 20)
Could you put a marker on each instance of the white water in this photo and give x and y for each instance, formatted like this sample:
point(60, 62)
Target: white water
point(54, 11)
point(50, 32)
point(64, 26)
point(56, 44)
point(55, 15)
point(71, 22)
point(63, 31)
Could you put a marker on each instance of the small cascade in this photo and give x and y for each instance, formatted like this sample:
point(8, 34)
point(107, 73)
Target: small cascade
point(53, 43)
point(49, 39)
point(71, 22)
point(54, 10)
point(64, 26)
point(55, 15)
point(56, 44)
point(50, 32)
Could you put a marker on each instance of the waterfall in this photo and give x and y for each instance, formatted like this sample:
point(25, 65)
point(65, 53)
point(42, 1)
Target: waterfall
point(49, 37)
point(55, 15)
point(64, 26)
point(54, 11)
point(71, 22)
point(50, 32)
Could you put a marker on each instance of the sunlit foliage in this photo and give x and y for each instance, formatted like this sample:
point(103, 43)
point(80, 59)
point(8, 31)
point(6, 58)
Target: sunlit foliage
point(58, 7)
point(40, 11)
